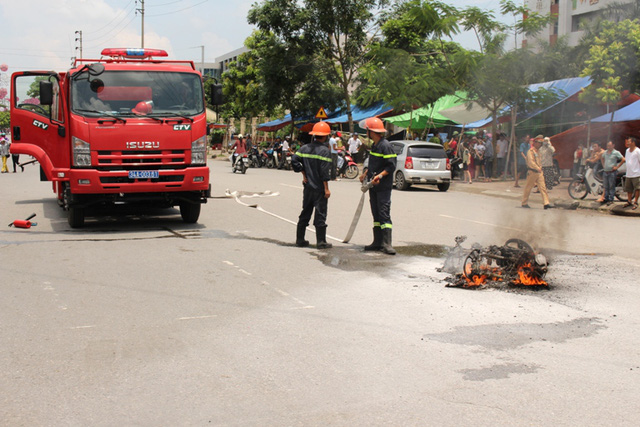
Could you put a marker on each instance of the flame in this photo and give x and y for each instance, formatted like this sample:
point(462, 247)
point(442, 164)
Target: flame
point(526, 278)
point(488, 273)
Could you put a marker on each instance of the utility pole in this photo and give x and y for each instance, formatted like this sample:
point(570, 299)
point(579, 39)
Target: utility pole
point(202, 57)
point(79, 39)
point(141, 10)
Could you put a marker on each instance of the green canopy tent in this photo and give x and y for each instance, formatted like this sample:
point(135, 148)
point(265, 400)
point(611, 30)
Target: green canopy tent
point(429, 116)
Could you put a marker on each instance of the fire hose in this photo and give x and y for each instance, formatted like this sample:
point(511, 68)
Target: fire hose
point(366, 185)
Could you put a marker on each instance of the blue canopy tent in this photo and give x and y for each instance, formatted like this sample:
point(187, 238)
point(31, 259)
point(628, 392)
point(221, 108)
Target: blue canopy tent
point(563, 89)
point(359, 113)
point(274, 125)
point(626, 114)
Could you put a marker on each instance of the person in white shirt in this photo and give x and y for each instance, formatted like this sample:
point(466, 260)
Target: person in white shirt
point(283, 152)
point(333, 145)
point(632, 181)
point(354, 145)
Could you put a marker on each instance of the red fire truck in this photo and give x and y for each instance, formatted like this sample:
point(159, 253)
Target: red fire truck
point(126, 128)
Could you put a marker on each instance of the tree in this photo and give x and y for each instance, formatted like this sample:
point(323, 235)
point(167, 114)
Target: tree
point(288, 69)
point(242, 88)
point(612, 63)
point(340, 30)
point(5, 119)
point(411, 65)
point(483, 24)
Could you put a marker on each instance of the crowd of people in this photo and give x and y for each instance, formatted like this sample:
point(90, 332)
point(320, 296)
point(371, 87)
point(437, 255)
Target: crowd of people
point(481, 159)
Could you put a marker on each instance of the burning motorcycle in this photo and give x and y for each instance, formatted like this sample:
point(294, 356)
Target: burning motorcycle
point(590, 182)
point(514, 263)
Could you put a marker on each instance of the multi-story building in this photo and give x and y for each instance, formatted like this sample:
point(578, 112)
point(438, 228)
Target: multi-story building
point(221, 63)
point(570, 16)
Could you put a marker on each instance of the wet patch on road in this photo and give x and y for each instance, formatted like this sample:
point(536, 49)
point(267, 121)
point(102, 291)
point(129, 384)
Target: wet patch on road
point(498, 372)
point(511, 336)
point(425, 250)
point(350, 259)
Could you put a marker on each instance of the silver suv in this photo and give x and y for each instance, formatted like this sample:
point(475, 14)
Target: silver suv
point(421, 163)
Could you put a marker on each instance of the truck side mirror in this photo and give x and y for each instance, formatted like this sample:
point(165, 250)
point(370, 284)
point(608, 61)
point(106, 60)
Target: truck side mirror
point(216, 95)
point(46, 93)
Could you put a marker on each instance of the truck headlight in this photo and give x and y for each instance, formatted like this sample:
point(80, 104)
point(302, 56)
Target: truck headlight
point(81, 152)
point(199, 151)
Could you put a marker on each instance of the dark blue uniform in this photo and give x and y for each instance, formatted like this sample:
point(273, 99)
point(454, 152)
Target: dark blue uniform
point(381, 158)
point(315, 159)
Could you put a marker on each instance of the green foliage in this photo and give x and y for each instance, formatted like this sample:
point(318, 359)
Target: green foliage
point(242, 88)
point(283, 67)
point(34, 87)
point(339, 30)
point(612, 62)
point(484, 25)
point(5, 122)
point(411, 66)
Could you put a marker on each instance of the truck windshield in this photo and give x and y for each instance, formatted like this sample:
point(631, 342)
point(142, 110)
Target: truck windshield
point(130, 93)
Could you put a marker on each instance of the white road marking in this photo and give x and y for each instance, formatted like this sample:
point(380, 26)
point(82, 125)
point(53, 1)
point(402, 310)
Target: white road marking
point(229, 263)
point(257, 207)
point(83, 327)
point(244, 271)
point(285, 294)
point(481, 223)
point(209, 316)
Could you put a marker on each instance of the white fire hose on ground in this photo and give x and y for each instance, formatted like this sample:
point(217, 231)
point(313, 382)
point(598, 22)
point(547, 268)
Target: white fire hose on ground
point(366, 185)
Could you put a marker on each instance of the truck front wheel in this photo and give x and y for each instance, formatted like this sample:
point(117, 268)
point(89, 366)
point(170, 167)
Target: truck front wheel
point(190, 212)
point(75, 217)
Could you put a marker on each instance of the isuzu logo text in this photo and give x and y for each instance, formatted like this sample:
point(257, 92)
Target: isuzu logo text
point(141, 145)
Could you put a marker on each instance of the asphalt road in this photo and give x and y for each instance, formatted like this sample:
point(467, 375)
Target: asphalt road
point(139, 319)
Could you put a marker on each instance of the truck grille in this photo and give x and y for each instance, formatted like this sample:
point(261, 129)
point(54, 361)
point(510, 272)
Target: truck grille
point(127, 180)
point(141, 159)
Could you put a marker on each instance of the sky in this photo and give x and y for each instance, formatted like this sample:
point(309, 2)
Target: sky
point(40, 34)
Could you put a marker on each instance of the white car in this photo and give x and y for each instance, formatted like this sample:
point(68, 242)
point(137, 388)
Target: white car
point(421, 163)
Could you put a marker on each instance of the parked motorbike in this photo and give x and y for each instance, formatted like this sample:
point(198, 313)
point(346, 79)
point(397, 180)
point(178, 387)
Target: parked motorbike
point(591, 183)
point(268, 158)
point(346, 166)
point(239, 163)
point(255, 158)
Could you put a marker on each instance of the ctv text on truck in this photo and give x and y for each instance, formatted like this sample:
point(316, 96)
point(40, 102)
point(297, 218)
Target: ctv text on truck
point(124, 129)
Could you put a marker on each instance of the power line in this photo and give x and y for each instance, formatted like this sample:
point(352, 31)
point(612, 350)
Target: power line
point(114, 18)
point(165, 4)
point(179, 10)
point(103, 40)
point(112, 27)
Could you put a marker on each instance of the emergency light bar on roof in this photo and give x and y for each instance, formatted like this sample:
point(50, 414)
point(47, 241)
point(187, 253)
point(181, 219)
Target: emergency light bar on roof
point(133, 53)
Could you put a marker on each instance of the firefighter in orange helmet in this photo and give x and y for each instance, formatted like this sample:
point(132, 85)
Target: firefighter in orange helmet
point(379, 171)
point(314, 161)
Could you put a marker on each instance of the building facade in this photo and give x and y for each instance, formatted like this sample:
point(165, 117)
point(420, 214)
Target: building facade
point(571, 14)
point(221, 63)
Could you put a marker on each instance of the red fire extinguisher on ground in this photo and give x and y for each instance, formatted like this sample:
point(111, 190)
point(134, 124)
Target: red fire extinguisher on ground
point(24, 223)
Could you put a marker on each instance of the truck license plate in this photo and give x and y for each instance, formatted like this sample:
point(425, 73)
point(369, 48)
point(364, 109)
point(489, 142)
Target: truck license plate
point(143, 174)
